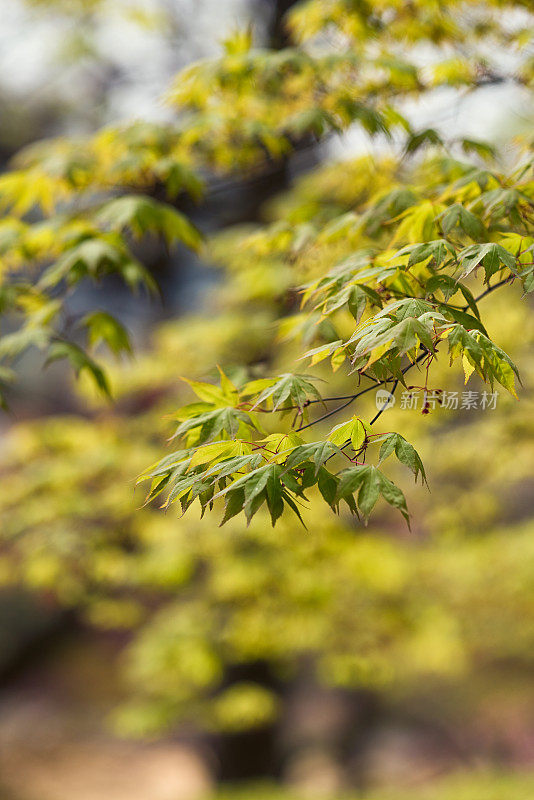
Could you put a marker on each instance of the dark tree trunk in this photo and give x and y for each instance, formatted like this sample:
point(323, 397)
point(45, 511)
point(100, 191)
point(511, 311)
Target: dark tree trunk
point(276, 31)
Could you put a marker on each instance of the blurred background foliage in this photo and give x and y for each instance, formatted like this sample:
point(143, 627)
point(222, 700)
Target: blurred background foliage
point(340, 660)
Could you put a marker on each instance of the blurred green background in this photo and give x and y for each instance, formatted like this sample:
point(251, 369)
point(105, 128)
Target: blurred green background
point(148, 657)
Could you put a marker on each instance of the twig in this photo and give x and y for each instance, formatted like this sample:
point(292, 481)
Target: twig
point(381, 411)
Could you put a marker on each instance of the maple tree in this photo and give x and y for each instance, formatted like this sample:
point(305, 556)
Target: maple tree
point(387, 285)
point(369, 274)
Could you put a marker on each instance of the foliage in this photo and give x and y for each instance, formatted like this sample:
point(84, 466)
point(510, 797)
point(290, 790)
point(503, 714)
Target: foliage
point(402, 301)
point(366, 610)
point(64, 224)
point(395, 263)
point(374, 274)
point(403, 252)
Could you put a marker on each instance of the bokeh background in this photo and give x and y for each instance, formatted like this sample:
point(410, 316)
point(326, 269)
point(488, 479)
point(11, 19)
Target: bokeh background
point(147, 657)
